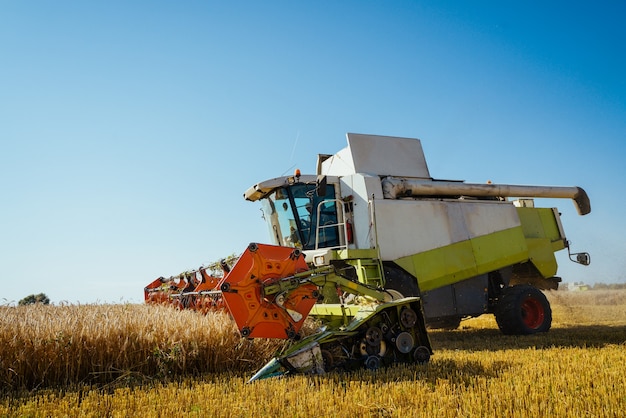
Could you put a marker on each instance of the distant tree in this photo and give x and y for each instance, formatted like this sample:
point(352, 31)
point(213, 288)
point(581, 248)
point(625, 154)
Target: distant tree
point(609, 286)
point(594, 286)
point(32, 299)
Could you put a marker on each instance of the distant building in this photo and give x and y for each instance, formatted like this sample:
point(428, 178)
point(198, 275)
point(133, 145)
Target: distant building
point(577, 286)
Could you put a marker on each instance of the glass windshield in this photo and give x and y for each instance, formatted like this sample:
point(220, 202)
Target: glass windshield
point(291, 214)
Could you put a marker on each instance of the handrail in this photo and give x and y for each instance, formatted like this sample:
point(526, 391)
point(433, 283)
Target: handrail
point(342, 237)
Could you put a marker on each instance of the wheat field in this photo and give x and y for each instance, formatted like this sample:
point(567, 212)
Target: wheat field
point(136, 360)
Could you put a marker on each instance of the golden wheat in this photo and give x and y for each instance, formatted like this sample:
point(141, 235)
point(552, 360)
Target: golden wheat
point(43, 346)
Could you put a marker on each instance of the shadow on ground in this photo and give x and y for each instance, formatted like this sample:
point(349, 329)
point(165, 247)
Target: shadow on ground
point(493, 340)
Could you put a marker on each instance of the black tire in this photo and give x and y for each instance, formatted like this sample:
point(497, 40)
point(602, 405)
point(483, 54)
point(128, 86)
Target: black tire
point(523, 310)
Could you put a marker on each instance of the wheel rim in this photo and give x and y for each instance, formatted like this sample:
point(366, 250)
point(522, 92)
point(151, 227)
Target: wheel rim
point(532, 313)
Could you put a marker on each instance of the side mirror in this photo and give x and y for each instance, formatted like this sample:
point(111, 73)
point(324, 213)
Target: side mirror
point(581, 258)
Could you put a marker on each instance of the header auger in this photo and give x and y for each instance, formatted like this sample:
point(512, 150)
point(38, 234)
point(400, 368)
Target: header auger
point(195, 289)
point(271, 290)
point(376, 249)
point(269, 293)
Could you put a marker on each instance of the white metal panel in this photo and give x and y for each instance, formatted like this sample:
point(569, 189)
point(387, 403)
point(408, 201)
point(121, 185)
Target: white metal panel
point(388, 156)
point(407, 227)
point(379, 155)
point(259, 190)
point(486, 217)
point(362, 188)
point(340, 164)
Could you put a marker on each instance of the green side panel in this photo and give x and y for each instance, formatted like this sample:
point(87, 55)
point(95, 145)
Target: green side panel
point(453, 263)
point(543, 238)
point(442, 266)
point(368, 271)
point(531, 222)
point(499, 249)
point(557, 245)
point(542, 256)
point(334, 309)
point(355, 254)
point(541, 223)
point(334, 314)
point(550, 227)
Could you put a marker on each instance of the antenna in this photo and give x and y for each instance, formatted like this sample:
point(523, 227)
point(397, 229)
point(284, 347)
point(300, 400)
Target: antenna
point(293, 151)
point(288, 170)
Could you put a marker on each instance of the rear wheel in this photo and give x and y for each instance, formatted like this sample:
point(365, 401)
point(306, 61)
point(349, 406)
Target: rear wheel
point(522, 310)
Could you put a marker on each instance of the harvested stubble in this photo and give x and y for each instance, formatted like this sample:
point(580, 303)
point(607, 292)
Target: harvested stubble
point(557, 382)
point(574, 370)
point(52, 346)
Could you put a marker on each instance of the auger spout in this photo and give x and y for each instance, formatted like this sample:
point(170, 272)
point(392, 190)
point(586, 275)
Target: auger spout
point(395, 187)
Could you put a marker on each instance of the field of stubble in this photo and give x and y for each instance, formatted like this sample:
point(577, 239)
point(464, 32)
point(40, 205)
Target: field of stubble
point(137, 360)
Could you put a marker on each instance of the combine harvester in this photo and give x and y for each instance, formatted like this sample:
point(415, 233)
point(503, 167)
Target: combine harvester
point(377, 249)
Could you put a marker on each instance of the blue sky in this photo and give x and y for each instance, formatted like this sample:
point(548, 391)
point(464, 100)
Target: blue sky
point(129, 130)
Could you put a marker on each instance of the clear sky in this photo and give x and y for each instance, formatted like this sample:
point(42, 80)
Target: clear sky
point(130, 130)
